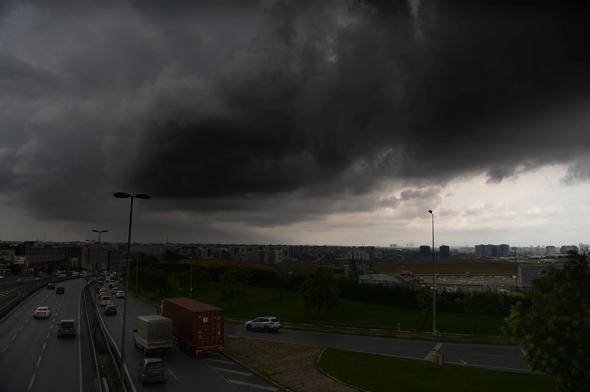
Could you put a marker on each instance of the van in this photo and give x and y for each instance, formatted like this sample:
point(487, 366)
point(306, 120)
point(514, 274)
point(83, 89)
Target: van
point(152, 370)
point(66, 328)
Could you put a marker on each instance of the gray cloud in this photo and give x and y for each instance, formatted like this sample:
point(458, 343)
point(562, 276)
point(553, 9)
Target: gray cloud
point(282, 111)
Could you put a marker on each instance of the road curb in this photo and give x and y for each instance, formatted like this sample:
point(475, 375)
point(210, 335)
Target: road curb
point(325, 373)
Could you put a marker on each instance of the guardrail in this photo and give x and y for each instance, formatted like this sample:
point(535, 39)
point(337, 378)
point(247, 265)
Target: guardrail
point(24, 290)
point(98, 384)
point(123, 376)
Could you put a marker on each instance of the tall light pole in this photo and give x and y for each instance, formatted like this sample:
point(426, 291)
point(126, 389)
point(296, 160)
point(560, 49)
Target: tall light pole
point(191, 279)
point(434, 332)
point(123, 195)
point(99, 253)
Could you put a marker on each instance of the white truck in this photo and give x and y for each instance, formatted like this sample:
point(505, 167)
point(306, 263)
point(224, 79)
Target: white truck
point(153, 334)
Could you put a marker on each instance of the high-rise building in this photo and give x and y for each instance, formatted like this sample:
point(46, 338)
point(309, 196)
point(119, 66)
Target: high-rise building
point(489, 250)
point(424, 251)
point(444, 252)
point(503, 250)
point(565, 249)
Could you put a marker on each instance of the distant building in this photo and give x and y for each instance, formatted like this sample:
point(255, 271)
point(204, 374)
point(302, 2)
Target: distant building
point(565, 249)
point(444, 252)
point(489, 250)
point(551, 250)
point(503, 250)
point(380, 280)
point(424, 251)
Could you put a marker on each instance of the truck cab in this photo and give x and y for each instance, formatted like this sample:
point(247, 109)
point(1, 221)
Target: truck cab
point(153, 334)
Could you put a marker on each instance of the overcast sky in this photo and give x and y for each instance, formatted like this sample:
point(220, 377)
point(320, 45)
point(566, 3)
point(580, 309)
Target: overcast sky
point(332, 122)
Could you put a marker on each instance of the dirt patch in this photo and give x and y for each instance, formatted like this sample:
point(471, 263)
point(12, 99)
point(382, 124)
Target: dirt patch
point(289, 364)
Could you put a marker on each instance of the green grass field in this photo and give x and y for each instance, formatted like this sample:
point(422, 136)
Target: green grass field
point(289, 305)
point(379, 373)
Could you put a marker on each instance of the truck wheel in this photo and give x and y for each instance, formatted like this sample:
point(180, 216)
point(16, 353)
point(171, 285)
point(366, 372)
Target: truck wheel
point(248, 327)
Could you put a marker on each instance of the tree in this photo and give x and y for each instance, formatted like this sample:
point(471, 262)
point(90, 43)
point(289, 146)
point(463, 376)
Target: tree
point(553, 325)
point(156, 280)
point(320, 291)
point(231, 284)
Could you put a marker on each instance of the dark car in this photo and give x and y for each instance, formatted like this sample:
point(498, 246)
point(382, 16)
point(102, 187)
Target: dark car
point(152, 370)
point(110, 310)
point(66, 328)
point(50, 286)
point(60, 290)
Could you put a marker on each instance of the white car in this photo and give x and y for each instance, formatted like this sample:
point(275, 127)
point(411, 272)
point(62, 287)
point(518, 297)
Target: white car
point(120, 294)
point(266, 324)
point(42, 312)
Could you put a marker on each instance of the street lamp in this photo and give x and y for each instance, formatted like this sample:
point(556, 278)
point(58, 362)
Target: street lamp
point(434, 332)
point(123, 195)
point(99, 254)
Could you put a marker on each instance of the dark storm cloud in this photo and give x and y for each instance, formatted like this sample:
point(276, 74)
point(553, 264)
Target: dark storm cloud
point(282, 110)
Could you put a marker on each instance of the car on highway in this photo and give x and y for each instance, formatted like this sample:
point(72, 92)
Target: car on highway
point(66, 327)
point(42, 312)
point(152, 370)
point(60, 290)
point(50, 286)
point(110, 310)
point(105, 300)
point(266, 324)
point(120, 294)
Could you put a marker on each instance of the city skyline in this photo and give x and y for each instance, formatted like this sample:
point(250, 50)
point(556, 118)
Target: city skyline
point(280, 122)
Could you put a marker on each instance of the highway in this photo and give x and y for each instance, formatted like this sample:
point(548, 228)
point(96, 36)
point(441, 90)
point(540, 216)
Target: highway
point(211, 372)
point(496, 357)
point(32, 358)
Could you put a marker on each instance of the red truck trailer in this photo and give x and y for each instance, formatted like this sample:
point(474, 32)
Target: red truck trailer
point(197, 326)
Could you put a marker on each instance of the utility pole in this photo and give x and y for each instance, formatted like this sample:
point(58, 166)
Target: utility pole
point(434, 331)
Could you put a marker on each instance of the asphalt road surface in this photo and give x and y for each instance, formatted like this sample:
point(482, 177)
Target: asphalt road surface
point(211, 372)
point(32, 358)
point(497, 357)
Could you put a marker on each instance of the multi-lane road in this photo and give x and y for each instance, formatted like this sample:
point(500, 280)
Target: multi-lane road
point(32, 358)
point(208, 373)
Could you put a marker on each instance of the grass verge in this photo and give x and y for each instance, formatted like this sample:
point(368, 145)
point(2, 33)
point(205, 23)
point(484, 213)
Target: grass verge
point(380, 373)
point(289, 305)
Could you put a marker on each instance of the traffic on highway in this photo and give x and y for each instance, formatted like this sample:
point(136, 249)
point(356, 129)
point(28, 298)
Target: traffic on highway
point(41, 342)
point(155, 363)
point(39, 346)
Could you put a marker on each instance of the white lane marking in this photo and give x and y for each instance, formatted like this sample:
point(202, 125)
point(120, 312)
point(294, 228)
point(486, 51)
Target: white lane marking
point(39, 360)
point(51, 327)
point(248, 384)
point(31, 383)
point(5, 349)
point(47, 336)
point(13, 337)
point(462, 362)
point(437, 346)
point(232, 371)
point(172, 373)
point(44, 346)
point(220, 361)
